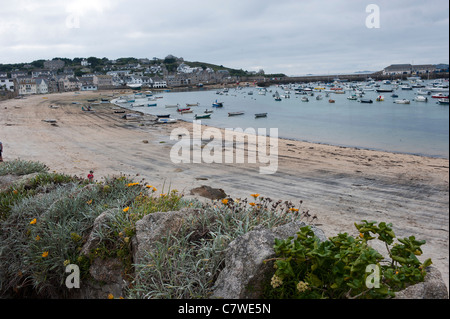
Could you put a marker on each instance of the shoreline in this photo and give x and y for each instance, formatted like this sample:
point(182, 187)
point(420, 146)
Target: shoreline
point(341, 185)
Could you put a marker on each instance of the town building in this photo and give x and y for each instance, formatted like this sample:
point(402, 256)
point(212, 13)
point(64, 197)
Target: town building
point(26, 86)
point(54, 64)
point(7, 84)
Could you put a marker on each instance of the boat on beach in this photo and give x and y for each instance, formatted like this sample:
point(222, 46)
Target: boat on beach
point(160, 116)
point(166, 120)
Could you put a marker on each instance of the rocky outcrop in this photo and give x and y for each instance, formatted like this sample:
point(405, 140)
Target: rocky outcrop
point(209, 192)
point(153, 227)
point(433, 287)
point(245, 266)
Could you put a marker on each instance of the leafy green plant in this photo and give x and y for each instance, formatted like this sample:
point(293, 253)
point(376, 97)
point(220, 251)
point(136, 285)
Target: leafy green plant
point(338, 268)
point(20, 167)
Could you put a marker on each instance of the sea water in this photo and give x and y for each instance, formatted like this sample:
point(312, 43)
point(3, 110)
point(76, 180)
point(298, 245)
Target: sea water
point(420, 128)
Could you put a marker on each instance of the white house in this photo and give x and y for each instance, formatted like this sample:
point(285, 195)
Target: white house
point(27, 86)
point(41, 86)
point(7, 84)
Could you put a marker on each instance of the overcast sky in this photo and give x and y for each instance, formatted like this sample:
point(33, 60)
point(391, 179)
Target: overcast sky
point(294, 37)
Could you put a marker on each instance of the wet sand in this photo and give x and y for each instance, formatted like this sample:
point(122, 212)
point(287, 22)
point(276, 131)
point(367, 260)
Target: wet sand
point(339, 185)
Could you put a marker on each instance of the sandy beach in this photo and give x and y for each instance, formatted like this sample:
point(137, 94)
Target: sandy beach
point(339, 185)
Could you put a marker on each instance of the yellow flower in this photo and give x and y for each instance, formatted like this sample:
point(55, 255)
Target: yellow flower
point(126, 209)
point(361, 235)
point(417, 252)
point(154, 189)
point(33, 222)
point(292, 209)
point(302, 286)
point(276, 281)
point(66, 262)
point(15, 192)
point(45, 254)
point(126, 239)
point(254, 195)
point(148, 186)
point(252, 204)
point(89, 202)
point(110, 296)
point(225, 201)
point(37, 238)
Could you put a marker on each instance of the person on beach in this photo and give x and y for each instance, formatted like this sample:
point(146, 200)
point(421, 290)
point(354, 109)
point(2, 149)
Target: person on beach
point(91, 176)
point(1, 151)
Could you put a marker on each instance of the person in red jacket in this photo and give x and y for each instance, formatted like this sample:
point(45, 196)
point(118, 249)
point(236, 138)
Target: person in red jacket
point(91, 176)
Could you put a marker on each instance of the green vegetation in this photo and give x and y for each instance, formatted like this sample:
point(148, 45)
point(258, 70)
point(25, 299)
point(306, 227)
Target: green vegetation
point(338, 268)
point(46, 220)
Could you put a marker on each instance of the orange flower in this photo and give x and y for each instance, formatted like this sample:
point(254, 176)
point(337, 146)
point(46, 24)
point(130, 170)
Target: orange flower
point(110, 296)
point(254, 195)
point(33, 222)
point(126, 209)
point(252, 204)
point(225, 201)
point(37, 238)
point(292, 209)
point(45, 254)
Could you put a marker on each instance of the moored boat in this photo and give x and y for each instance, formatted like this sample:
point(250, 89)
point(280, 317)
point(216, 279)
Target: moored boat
point(260, 115)
point(235, 113)
point(203, 116)
point(421, 98)
point(152, 104)
point(440, 96)
point(193, 104)
point(402, 101)
point(305, 99)
point(442, 101)
point(365, 101)
point(217, 104)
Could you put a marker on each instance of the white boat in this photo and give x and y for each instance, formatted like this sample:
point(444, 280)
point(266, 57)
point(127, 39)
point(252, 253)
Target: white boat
point(421, 98)
point(172, 105)
point(305, 99)
point(403, 101)
point(166, 120)
point(442, 101)
point(423, 92)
